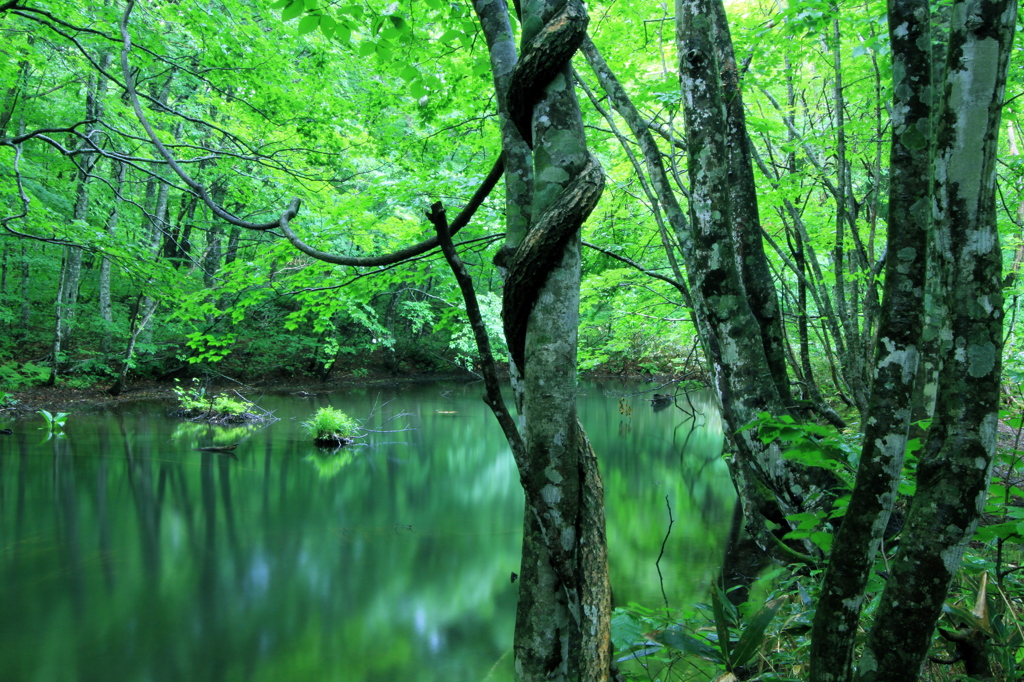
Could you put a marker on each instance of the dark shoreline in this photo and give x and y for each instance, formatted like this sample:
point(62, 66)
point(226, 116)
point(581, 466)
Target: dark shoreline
point(96, 398)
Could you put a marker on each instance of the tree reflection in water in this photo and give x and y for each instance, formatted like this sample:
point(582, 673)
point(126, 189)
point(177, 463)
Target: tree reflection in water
point(387, 561)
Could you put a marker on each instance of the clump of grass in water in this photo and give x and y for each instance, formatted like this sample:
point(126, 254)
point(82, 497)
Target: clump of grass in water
point(195, 404)
point(330, 427)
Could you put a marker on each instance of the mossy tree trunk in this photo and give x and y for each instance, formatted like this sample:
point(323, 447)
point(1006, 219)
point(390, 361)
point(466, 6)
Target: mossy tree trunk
point(955, 465)
point(896, 347)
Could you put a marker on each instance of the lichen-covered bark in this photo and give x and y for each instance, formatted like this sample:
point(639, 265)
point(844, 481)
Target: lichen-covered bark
point(746, 223)
point(714, 271)
point(501, 46)
point(769, 487)
point(895, 359)
point(561, 627)
point(953, 473)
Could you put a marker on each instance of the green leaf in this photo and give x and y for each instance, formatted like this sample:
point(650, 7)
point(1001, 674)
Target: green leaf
point(293, 10)
point(822, 539)
point(450, 35)
point(721, 622)
point(674, 637)
point(626, 629)
point(367, 48)
point(753, 635)
point(481, 67)
point(409, 73)
point(327, 25)
point(280, 4)
point(308, 24)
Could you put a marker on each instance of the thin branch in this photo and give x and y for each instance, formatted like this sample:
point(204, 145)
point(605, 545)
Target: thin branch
point(633, 264)
point(664, 541)
point(25, 201)
point(415, 250)
point(493, 397)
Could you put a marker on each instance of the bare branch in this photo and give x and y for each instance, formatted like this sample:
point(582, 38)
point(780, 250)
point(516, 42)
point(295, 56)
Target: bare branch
point(403, 254)
point(493, 398)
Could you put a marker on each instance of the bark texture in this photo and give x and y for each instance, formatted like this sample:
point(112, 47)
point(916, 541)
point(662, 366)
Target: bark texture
point(563, 615)
point(769, 487)
point(954, 469)
point(896, 355)
point(497, 28)
point(746, 222)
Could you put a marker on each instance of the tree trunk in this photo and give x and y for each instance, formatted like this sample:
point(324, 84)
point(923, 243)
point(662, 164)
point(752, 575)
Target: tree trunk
point(896, 356)
point(143, 314)
point(232, 251)
point(563, 616)
point(67, 293)
point(26, 302)
point(954, 468)
point(751, 262)
point(769, 487)
point(67, 300)
point(106, 308)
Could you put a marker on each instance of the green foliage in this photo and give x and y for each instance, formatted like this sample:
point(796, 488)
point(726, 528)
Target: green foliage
point(766, 639)
point(807, 443)
point(15, 375)
point(195, 399)
point(54, 422)
point(720, 648)
point(330, 423)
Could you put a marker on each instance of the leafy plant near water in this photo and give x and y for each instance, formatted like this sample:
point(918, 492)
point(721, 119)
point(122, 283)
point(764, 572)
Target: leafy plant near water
point(983, 622)
point(54, 422)
point(721, 640)
point(721, 648)
point(195, 398)
point(329, 424)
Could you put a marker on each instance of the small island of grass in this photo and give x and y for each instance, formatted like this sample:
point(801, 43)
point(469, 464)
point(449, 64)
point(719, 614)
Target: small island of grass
point(194, 404)
point(331, 428)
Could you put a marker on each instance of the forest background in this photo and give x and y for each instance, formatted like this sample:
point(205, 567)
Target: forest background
point(109, 265)
point(117, 264)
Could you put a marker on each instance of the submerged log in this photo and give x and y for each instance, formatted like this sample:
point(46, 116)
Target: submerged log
point(332, 441)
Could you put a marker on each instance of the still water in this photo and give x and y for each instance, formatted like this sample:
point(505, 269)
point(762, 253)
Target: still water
point(126, 555)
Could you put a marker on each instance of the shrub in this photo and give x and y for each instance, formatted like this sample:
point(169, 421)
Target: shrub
point(330, 426)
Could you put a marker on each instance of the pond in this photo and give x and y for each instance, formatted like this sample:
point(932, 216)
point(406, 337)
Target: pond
point(125, 554)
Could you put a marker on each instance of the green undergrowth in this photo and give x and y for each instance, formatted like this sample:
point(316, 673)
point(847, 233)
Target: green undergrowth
point(768, 637)
point(330, 426)
point(195, 404)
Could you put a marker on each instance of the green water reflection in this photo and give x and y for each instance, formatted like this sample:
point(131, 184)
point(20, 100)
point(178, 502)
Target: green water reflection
point(125, 554)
